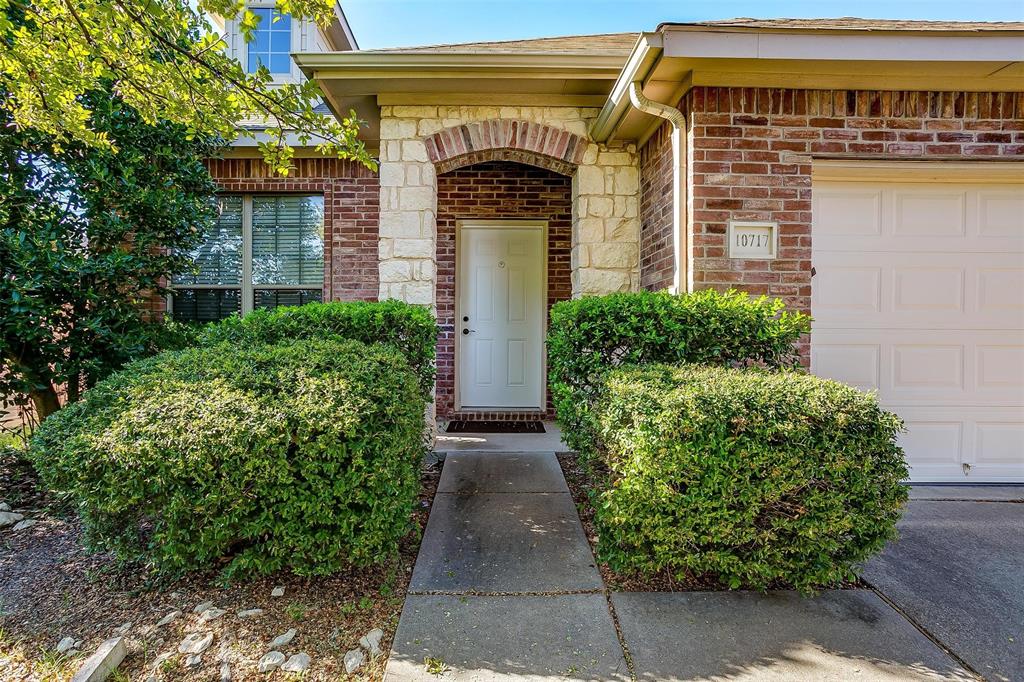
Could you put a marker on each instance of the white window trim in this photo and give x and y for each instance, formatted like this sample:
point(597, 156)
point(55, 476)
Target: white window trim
point(248, 289)
point(293, 75)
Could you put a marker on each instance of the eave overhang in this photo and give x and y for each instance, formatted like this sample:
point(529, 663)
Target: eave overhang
point(688, 56)
point(362, 81)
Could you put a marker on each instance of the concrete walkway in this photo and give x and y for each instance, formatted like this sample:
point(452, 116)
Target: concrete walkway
point(505, 588)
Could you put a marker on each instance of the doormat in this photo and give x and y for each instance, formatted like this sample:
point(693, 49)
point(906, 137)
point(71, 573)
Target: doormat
point(461, 426)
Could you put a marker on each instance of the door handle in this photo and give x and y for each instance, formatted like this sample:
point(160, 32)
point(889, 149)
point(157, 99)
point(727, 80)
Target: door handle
point(467, 331)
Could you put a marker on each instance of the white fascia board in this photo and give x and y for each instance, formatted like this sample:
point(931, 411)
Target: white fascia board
point(645, 55)
point(414, 64)
point(338, 34)
point(839, 46)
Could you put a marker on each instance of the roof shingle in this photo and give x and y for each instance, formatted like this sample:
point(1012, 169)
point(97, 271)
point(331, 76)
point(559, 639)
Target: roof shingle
point(603, 43)
point(858, 24)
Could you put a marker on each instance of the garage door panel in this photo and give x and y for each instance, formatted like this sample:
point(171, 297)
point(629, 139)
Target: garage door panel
point(856, 364)
point(1001, 367)
point(946, 443)
point(919, 295)
point(854, 211)
point(951, 367)
point(1001, 213)
point(931, 290)
point(900, 217)
point(919, 212)
point(927, 288)
point(999, 290)
point(843, 290)
point(997, 450)
point(925, 365)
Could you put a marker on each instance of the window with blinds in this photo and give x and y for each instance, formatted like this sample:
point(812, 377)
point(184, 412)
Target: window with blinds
point(264, 252)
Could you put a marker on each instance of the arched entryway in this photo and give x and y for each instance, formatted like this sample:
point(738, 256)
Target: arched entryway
point(486, 198)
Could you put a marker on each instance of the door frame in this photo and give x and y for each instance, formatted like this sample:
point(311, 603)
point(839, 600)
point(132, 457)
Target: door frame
point(498, 224)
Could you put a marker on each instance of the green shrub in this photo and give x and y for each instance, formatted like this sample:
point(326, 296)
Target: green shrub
point(171, 334)
point(593, 334)
point(301, 456)
point(409, 328)
point(752, 476)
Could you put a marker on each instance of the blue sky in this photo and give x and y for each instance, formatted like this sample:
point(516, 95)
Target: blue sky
point(394, 23)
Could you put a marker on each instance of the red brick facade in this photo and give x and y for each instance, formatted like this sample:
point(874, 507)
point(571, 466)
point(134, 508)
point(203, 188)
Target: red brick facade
point(351, 209)
point(752, 150)
point(496, 189)
point(657, 260)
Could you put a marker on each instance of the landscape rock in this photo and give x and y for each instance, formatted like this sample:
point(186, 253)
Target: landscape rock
point(299, 663)
point(123, 629)
point(160, 659)
point(22, 525)
point(284, 640)
point(196, 643)
point(4, 507)
point(202, 606)
point(270, 661)
point(169, 618)
point(211, 614)
point(104, 661)
point(225, 672)
point(250, 613)
point(193, 660)
point(8, 518)
point(277, 592)
point(371, 641)
point(65, 645)
point(353, 660)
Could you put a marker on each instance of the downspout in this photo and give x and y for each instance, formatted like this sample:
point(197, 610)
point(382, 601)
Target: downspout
point(682, 275)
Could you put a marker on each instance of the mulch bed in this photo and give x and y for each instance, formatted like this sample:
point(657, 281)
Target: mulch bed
point(50, 588)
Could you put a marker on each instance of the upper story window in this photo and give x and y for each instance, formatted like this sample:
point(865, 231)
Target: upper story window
point(265, 251)
point(271, 45)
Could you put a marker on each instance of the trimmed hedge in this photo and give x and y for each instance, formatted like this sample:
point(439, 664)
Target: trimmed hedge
point(301, 456)
point(409, 328)
point(590, 335)
point(751, 476)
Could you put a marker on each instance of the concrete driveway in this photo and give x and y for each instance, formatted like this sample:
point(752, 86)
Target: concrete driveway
point(957, 572)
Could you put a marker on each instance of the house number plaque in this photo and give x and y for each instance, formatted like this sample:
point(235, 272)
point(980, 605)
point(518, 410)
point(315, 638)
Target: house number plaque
point(753, 240)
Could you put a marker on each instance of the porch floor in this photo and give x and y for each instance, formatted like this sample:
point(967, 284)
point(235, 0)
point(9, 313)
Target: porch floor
point(549, 441)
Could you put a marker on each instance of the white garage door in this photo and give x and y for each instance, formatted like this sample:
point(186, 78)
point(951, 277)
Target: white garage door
point(919, 295)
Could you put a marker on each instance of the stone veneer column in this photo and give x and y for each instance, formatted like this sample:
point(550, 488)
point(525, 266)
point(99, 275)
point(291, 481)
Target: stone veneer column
point(606, 229)
point(408, 210)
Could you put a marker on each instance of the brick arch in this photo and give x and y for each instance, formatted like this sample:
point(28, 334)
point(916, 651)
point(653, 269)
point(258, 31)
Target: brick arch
point(526, 142)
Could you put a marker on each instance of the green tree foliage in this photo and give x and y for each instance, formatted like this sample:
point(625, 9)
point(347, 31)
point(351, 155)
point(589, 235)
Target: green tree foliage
point(302, 456)
point(750, 476)
point(165, 61)
point(86, 233)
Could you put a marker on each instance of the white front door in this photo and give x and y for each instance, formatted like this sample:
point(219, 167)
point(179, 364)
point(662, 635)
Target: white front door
point(919, 295)
point(500, 315)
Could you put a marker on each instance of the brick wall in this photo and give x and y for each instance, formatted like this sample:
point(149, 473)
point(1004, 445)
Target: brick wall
point(752, 150)
point(351, 209)
point(490, 190)
point(657, 260)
